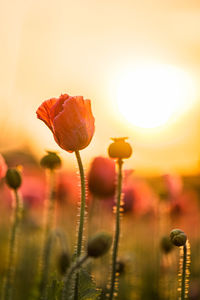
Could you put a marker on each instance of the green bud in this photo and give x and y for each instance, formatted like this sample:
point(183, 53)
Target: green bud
point(63, 262)
point(51, 161)
point(166, 244)
point(99, 244)
point(178, 237)
point(13, 178)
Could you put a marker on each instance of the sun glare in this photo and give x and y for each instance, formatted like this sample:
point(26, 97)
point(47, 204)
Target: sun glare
point(151, 95)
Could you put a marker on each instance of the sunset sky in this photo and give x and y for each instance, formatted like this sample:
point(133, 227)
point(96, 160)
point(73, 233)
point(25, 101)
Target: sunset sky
point(90, 48)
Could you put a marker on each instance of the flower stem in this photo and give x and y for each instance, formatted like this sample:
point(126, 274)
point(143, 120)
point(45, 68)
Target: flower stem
point(117, 230)
point(47, 239)
point(183, 272)
point(81, 220)
point(12, 247)
point(68, 276)
point(82, 209)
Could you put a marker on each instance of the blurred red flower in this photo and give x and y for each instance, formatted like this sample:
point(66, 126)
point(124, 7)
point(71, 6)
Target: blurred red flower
point(67, 190)
point(33, 191)
point(174, 185)
point(138, 197)
point(3, 167)
point(101, 177)
point(70, 119)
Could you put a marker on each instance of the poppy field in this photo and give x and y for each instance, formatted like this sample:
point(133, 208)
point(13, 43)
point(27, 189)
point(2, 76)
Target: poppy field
point(100, 232)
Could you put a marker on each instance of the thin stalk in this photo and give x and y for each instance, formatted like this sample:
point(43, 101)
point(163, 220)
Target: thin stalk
point(47, 239)
point(12, 248)
point(51, 203)
point(74, 268)
point(183, 272)
point(81, 220)
point(82, 209)
point(117, 230)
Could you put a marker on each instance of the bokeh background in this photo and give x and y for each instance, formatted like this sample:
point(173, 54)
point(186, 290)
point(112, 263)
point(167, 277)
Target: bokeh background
point(80, 48)
point(92, 48)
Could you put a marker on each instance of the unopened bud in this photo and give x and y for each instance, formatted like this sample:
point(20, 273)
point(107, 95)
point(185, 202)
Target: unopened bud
point(51, 161)
point(120, 148)
point(166, 244)
point(99, 244)
point(13, 178)
point(178, 237)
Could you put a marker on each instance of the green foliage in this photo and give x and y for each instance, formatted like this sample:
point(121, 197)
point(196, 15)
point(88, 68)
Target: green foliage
point(54, 290)
point(87, 287)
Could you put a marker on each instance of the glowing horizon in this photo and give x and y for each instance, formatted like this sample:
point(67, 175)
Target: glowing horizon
point(92, 52)
point(151, 95)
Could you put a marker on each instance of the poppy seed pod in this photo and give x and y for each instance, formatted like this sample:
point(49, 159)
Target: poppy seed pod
point(119, 148)
point(13, 178)
point(99, 244)
point(178, 237)
point(51, 161)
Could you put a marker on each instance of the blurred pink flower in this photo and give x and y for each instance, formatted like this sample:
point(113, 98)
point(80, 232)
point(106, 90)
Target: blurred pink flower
point(138, 197)
point(101, 177)
point(70, 119)
point(3, 167)
point(174, 184)
point(186, 203)
point(33, 191)
point(67, 189)
point(128, 199)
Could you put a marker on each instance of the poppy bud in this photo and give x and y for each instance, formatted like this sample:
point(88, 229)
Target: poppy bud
point(13, 178)
point(166, 244)
point(99, 244)
point(120, 148)
point(178, 237)
point(63, 262)
point(51, 161)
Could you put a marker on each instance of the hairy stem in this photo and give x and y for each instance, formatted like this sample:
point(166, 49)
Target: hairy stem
point(69, 274)
point(183, 272)
point(12, 248)
point(117, 230)
point(81, 220)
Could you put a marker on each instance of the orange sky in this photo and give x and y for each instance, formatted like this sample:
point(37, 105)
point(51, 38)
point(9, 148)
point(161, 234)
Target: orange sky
point(76, 47)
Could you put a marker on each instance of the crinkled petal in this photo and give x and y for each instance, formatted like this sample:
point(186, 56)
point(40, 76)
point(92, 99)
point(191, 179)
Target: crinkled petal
point(58, 106)
point(74, 125)
point(43, 112)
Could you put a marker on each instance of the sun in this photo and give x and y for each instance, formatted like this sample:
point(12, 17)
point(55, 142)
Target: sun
point(151, 95)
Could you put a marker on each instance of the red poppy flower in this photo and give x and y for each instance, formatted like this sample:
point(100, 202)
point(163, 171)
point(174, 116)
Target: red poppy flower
point(101, 177)
point(70, 119)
